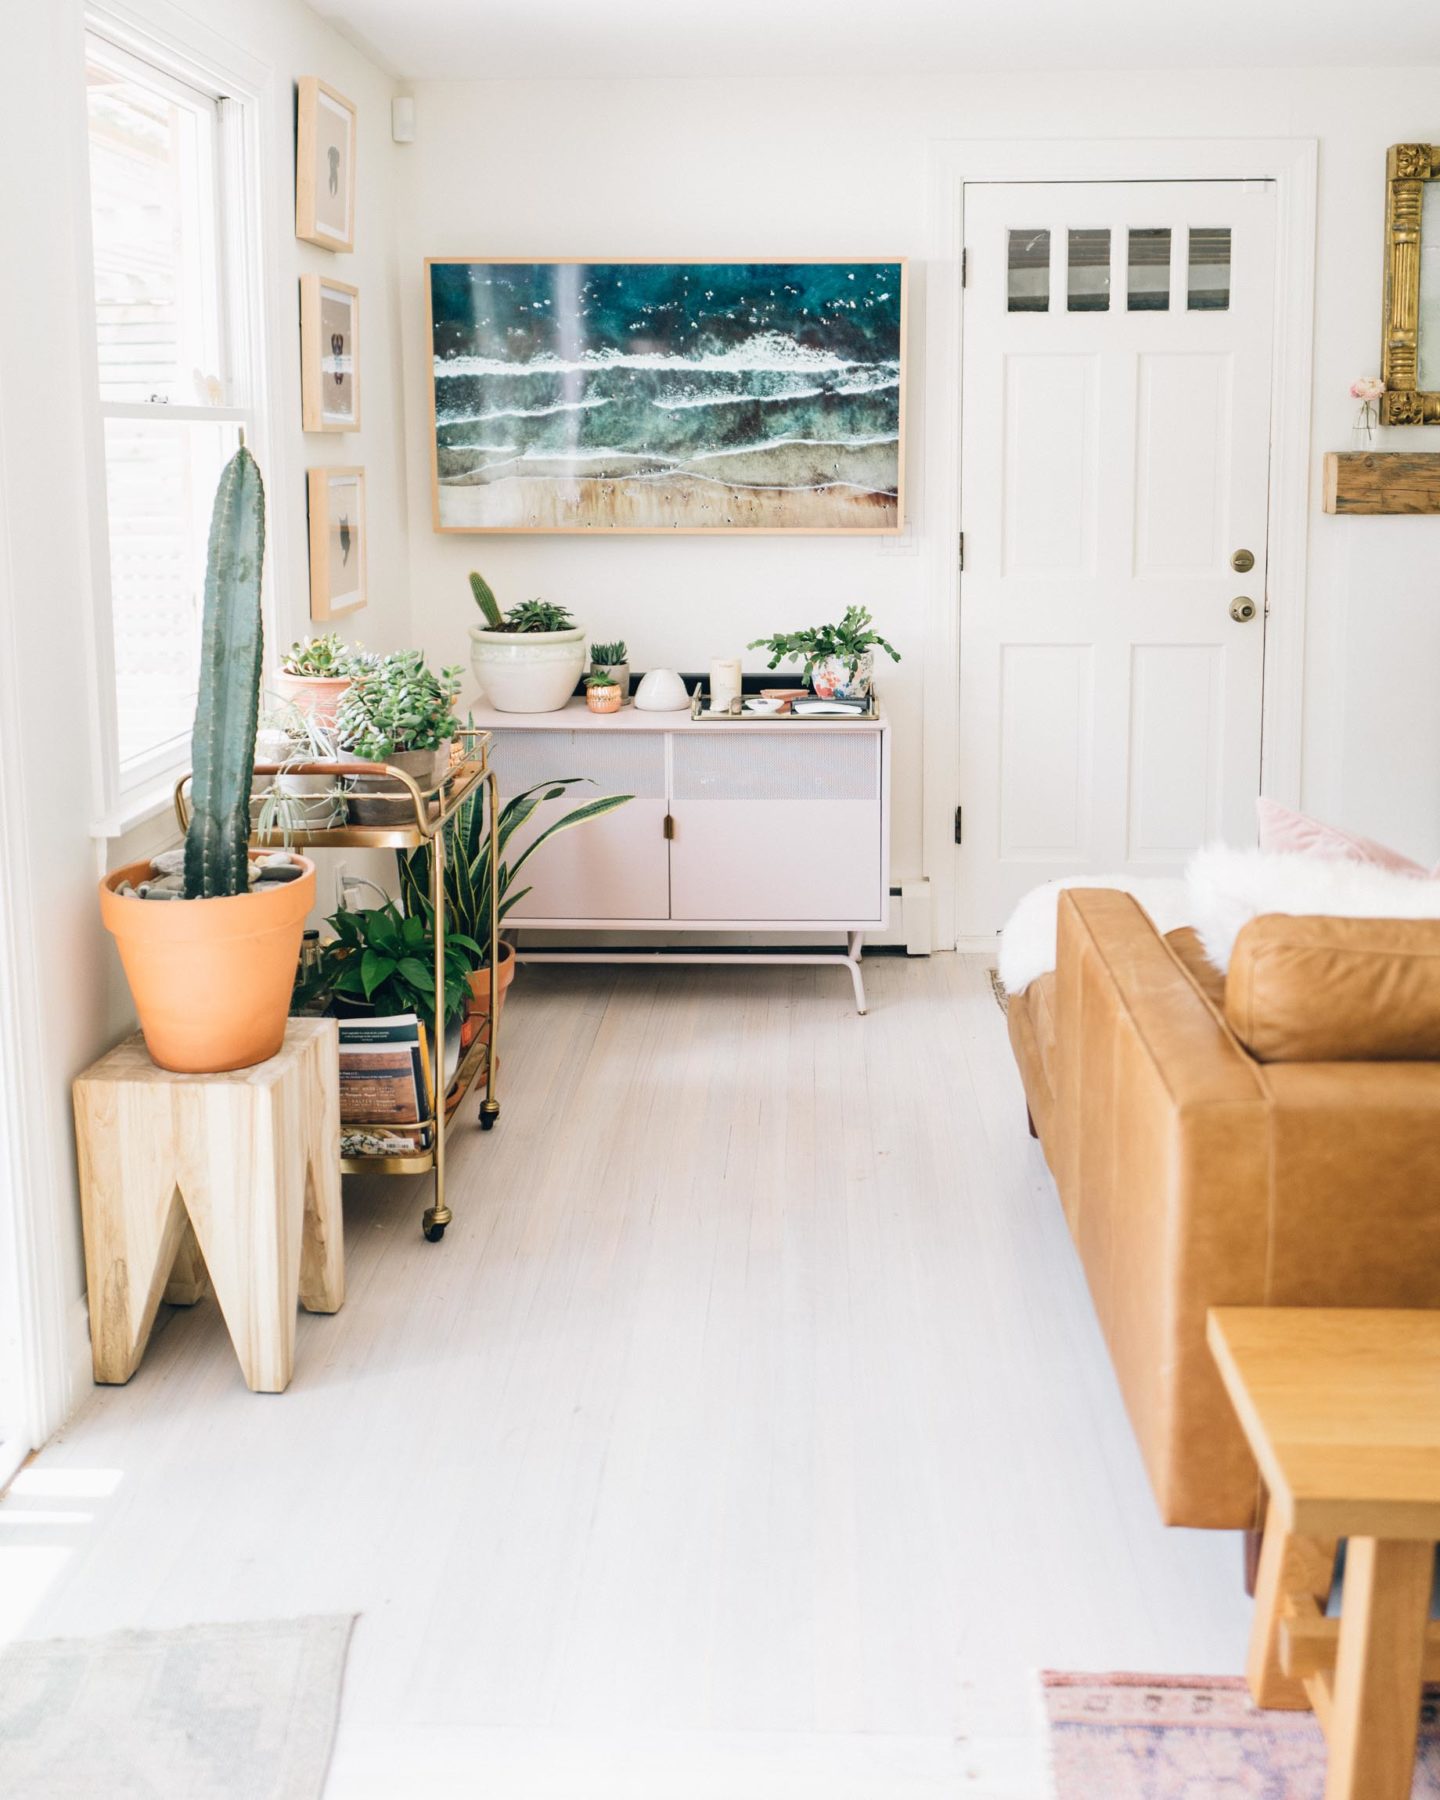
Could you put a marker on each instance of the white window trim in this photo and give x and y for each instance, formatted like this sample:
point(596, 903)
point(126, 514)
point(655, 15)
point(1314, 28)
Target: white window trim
point(176, 45)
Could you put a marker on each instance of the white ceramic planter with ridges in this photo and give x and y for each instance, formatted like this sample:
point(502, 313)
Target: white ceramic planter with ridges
point(527, 671)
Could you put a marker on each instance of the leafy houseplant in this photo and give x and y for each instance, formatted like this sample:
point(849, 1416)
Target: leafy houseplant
point(315, 674)
point(382, 961)
point(838, 658)
point(400, 712)
point(527, 660)
point(211, 978)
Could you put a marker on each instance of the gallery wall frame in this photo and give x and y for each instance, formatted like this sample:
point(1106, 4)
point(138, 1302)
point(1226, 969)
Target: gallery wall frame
point(329, 354)
point(838, 470)
point(339, 542)
point(325, 133)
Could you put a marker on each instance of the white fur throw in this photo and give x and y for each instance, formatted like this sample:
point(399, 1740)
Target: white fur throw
point(1228, 887)
point(1027, 944)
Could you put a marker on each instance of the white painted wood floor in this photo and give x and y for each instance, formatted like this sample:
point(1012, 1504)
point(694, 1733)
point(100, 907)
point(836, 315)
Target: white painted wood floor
point(749, 1437)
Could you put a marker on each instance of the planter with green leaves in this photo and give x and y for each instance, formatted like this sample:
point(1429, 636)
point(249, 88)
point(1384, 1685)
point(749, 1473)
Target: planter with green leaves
point(315, 676)
point(468, 869)
point(614, 660)
point(211, 971)
point(529, 659)
point(839, 659)
point(398, 711)
point(603, 693)
point(382, 961)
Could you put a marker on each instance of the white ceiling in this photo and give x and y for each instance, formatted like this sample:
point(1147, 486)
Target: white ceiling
point(518, 39)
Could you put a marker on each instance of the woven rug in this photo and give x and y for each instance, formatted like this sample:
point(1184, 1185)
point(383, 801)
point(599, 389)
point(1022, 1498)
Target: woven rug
point(1179, 1737)
point(208, 1712)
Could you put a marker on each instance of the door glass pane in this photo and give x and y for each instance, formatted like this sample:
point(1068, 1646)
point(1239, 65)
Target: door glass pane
point(152, 216)
point(1209, 268)
point(1029, 289)
point(160, 480)
point(1148, 288)
point(1089, 283)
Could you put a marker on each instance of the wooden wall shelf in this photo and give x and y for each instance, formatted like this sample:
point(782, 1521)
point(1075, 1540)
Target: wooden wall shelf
point(1382, 481)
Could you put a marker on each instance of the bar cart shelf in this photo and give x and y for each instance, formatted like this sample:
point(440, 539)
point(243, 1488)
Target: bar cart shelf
point(431, 810)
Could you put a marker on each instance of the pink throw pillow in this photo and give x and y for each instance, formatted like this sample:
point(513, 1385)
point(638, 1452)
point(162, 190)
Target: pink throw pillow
point(1285, 830)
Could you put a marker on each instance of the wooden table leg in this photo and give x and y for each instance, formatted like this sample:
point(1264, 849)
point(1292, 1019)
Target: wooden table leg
point(1288, 1565)
point(1375, 1706)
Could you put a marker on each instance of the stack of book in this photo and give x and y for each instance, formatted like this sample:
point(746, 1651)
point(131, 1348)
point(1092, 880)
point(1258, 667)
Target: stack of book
point(386, 1086)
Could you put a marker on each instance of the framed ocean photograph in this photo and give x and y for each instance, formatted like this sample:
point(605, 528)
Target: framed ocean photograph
point(337, 542)
point(329, 355)
point(663, 396)
point(324, 166)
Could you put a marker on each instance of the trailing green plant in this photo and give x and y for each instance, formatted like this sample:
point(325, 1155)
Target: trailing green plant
point(467, 858)
point(232, 644)
point(848, 640)
point(322, 658)
point(382, 958)
point(598, 678)
point(397, 703)
point(609, 654)
point(486, 601)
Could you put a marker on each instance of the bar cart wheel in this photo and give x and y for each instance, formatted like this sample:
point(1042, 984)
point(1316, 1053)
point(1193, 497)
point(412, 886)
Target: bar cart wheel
point(489, 1113)
point(434, 1228)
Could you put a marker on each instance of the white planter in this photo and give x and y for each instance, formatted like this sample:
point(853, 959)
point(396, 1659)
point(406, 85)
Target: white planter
point(527, 671)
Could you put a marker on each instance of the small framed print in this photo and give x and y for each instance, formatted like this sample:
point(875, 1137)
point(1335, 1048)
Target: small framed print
point(337, 542)
point(329, 355)
point(324, 166)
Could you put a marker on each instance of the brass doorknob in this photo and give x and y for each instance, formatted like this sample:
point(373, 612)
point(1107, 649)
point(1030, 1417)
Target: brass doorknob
point(1242, 609)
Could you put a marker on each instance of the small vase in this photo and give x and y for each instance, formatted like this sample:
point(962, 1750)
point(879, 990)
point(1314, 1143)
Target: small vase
point(834, 678)
point(604, 699)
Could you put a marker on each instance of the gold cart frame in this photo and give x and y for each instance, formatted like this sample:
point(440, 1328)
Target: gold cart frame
point(1407, 168)
point(433, 809)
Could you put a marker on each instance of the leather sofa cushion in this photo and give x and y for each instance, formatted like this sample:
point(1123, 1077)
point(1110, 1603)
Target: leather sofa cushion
point(1325, 989)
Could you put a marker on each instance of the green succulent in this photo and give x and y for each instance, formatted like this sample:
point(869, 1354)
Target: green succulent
point(598, 678)
point(538, 615)
point(610, 654)
point(486, 601)
point(397, 703)
point(322, 658)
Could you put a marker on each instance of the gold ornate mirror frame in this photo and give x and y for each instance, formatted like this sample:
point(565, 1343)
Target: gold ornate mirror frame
point(1407, 168)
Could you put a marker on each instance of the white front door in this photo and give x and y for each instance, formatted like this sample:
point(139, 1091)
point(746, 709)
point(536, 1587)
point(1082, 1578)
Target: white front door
point(1114, 465)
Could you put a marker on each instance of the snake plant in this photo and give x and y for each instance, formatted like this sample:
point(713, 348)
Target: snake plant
point(226, 711)
point(467, 857)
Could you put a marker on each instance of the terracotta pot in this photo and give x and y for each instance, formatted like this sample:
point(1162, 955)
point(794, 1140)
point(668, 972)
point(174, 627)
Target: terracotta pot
point(604, 699)
point(211, 979)
point(477, 1007)
point(317, 695)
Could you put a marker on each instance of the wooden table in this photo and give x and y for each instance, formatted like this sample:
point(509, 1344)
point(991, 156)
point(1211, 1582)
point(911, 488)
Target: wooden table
point(1342, 1411)
point(241, 1170)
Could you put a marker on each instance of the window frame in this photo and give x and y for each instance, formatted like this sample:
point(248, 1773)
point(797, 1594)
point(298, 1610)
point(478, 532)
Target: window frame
point(128, 796)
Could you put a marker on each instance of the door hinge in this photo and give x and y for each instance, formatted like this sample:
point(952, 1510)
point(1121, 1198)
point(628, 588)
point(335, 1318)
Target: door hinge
point(960, 553)
point(669, 827)
point(959, 812)
point(964, 267)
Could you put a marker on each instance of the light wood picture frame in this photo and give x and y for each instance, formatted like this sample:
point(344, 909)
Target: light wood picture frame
point(339, 542)
point(1410, 340)
point(329, 354)
point(325, 133)
point(575, 395)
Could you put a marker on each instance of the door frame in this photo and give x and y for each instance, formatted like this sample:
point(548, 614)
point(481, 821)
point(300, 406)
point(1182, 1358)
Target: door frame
point(1291, 163)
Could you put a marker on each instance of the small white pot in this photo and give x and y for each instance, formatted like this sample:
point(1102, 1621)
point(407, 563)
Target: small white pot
point(527, 671)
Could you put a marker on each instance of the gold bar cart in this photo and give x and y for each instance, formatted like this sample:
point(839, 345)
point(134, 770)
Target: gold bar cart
point(433, 809)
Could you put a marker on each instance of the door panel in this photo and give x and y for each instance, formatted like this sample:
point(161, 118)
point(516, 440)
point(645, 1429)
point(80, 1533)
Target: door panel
point(1115, 451)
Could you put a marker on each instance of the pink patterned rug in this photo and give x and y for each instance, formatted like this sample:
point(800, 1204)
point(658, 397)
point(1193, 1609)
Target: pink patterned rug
point(1194, 1737)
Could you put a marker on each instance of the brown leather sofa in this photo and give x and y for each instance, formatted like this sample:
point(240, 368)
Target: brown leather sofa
point(1195, 1174)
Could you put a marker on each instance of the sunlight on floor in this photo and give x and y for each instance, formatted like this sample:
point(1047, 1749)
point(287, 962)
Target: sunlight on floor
point(28, 1570)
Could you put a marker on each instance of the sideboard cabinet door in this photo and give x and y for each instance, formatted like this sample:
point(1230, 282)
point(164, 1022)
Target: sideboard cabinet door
point(615, 867)
point(779, 825)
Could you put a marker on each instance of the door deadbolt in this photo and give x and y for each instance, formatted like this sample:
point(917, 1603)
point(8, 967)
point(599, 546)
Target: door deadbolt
point(1243, 561)
point(1242, 609)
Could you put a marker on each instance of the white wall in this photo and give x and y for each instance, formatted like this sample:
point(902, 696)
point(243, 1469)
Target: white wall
point(773, 169)
point(70, 999)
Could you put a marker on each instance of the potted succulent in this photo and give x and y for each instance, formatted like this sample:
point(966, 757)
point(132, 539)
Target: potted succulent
point(529, 659)
point(211, 972)
point(315, 674)
point(467, 875)
point(397, 711)
point(612, 658)
point(603, 693)
point(287, 801)
point(839, 659)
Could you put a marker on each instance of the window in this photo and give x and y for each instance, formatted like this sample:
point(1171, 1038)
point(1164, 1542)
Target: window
point(175, 389)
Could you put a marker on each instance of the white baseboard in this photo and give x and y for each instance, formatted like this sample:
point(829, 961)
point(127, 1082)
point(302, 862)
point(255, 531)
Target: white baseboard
point(987, 944)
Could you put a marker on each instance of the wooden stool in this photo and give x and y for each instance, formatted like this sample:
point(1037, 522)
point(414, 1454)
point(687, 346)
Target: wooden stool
point(1342, 1411)
point(241, 1169)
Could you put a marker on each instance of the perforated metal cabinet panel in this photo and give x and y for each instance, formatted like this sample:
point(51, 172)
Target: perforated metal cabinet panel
point(615, 867)
point(775, 826)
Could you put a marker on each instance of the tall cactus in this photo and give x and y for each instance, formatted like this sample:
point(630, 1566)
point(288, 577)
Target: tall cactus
point(486, 601)
point(222, 748)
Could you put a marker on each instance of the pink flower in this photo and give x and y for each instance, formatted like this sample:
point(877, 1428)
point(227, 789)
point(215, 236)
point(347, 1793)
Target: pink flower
point(1367, 388)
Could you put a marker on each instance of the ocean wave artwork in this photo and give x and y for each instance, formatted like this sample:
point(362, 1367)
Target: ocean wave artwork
point(573, 396)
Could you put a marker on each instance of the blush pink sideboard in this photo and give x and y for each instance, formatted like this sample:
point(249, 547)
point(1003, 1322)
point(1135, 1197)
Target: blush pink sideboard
point(747, 827)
